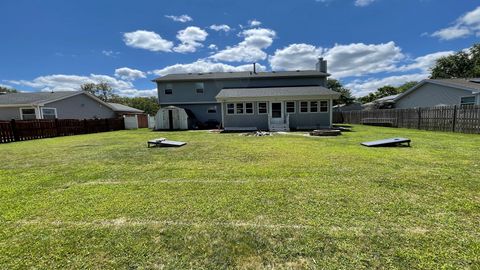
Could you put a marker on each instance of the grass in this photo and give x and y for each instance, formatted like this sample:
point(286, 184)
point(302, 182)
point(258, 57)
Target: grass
point(227, 201)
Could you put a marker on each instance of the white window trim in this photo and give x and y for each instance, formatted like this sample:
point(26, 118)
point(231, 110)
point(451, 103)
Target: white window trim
point(258, 107)
point(37, 116)
point(300, 106)
point(294, 107)
point(197, 88)
point(234, 108)
point(244, 108)
point(320, 106)
point(309, 108)
point(48, 108)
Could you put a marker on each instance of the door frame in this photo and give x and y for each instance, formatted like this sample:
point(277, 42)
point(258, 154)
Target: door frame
point(282, 110)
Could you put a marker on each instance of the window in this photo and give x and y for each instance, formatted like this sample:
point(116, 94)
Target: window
point(303, 106)
point(199, 88)
point(168, 89)
point(28, 114)
point(314, 106)
point(467, 100)
point(212, 109)
point(262, 107)
point(290, 106)
point(324, 106)
point(230, 108)
point(249, 108)
point(239, 107)
point(49, 113)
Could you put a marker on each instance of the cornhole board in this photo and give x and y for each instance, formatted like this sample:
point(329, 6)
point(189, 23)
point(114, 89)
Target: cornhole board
point(387, 142)
point(162, 142)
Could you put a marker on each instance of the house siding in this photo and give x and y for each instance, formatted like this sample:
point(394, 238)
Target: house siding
point(185, 92)
point(10, 113)
point(430, 95)
point(201, 111)
point(81, 107)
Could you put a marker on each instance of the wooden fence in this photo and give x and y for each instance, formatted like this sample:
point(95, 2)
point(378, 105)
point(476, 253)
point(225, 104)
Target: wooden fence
point(14, 131)
point(464, 119)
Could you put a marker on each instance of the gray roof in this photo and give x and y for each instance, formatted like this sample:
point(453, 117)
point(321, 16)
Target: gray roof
point(239, 75)
point(472, 84)
point(388, 98)
point(33, 97)
point(123, 108)
point(293, 91)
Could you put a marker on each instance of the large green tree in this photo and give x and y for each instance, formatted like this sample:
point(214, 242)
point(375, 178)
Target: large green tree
point(7, 90)
point(147, 104)
point(463, 64)
point(386, 90)
point(102, 90)
point(345, 93)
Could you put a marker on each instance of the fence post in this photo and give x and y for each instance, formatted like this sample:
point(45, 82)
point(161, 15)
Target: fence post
point(419, 118)
point(85, 126)
point(454, 118)
point(16, 136)
point(57, 128)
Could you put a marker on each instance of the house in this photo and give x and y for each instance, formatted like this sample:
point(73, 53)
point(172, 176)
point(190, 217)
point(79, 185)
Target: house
point(387, 102)
point(440, 92)
point(253, 100)
point(61, 105)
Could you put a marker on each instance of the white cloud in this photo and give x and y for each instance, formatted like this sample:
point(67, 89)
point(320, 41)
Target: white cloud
point(204, 66)
point(364, 87)
point(110, 53)
point(254, 23)
point(424, 63)
point(191, 38)
point(129, 74)
point(138, 93)
point(250, 49)
point(221, 27)
point(354, 59)
point(295, 56)
point(147, 40)
point(182, 18)
point(466, 25)
point(213, 47)
point(363, 3)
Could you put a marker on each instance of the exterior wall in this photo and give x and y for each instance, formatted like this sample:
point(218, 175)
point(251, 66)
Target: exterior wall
point(184, 93)
point(10, 113)
point(297, 120)
point(81, 107)
point(430, 95)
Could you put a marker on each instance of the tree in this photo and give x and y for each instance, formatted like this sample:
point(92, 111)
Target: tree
point(89, 88)
point(404, 87)
point(147, 104)
point(463, 64)
point(102, 90)
point(7, 90)
point(345, 93)
point(385, 91)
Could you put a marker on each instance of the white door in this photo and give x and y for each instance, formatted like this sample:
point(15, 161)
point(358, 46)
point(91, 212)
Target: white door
point(276, 112)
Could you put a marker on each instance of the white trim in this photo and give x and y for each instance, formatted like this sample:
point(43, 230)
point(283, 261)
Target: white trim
point(258, 107)
point(28, 108)
point(282, 110)
point(244, 108)
point(309, 110)
point(253, 108)
point(294, 107)
point(48, 108)
point(279, 98)
point(234, 108)
point(191, 103)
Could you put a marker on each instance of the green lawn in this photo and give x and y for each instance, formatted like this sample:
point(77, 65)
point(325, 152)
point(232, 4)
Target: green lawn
point(228, 201)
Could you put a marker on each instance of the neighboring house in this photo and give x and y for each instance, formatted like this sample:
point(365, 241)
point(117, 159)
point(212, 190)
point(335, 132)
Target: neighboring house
point(253, 100)
point(52, 105)
point(121, 109)
point(442, 92)
point(387, 102)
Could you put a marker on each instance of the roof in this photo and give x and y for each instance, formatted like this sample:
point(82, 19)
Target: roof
point(387, 98)
point(34, 98)
point(273, 92)
point(472, 85)
point(117, 107)
point(239, 75)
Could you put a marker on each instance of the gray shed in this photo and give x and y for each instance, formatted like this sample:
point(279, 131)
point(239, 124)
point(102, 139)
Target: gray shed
point(171, 118)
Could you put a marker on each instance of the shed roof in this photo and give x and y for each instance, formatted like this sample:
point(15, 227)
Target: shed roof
point(276, 92)
point(238, 75)
point(124, 108)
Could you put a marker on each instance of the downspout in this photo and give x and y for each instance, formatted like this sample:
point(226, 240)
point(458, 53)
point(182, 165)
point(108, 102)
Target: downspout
point(331, 112)
point(39, 113)
point(223, 114)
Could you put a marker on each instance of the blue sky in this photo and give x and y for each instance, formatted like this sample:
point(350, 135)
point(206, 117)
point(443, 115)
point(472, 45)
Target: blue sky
point(58, 45)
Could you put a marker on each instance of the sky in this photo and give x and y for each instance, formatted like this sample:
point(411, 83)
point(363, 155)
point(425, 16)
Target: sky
point(55, 45)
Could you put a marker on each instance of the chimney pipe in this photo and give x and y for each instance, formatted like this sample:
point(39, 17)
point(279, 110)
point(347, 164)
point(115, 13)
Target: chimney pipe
point(322, 65)
point(254, 68)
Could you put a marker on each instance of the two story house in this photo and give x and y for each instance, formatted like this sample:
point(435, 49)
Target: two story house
point(253, 100)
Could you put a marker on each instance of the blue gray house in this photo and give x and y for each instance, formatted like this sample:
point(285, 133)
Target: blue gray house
point(253, 100)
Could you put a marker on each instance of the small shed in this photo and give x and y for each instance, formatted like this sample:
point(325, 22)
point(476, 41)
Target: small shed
point(171, 118)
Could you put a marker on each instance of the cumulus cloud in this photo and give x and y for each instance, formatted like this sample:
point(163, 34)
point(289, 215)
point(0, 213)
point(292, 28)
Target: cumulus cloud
point(220, 27)
point(363, 3)
point(182, 18)
point(424, 63)
point(213, 47)
point(129, 74)
point(191, 38)
point(364, 87)
point(250, 49)
point(254, 23)
point(354, 59)
point(204, 66)
point(147, 40)
point(110, 53)
point(137, 93)
point(466, 25)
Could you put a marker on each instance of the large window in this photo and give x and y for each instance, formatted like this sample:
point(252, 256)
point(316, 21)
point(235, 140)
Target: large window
point(230, 108)
point(324, 106)
point(28, 114)
point(303, 106)
point(262, 107)
point(49, 113)
point(199, 87)
point(249, 108)
point(467, 100)
point(290, 106)
point(313, 106)
point(168, 89)
point(239, 108)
